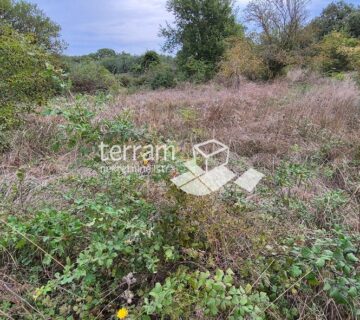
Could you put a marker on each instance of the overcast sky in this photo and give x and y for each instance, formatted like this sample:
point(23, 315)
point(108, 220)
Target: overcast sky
point(123, 25)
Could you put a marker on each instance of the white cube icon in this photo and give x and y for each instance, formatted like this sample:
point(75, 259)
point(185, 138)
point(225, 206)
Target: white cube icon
point(209, 149)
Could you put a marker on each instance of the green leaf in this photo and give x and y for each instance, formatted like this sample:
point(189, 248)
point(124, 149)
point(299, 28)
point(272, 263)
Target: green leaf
point(243, 300)
point(352, 292)
point(351, 257)
point(295, 271)
point(320, 262)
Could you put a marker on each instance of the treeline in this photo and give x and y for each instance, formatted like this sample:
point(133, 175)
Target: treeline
point(206, 38)
point(107, 70)
point(211, 42)
point(328, 44)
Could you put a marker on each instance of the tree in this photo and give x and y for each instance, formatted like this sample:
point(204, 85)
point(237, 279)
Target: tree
point(104, 53)
point(150, 58)
point(27, 18)
point(353, 24)
point(333, 18)
point(27, 77)
point(200, 30)
point(337, 52)
point(242, 59)
point(281, 21)
point(282, 25)
point(338, 16)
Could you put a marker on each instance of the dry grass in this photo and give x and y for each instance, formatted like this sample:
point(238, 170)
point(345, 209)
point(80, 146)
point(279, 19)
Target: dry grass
point(256, 120)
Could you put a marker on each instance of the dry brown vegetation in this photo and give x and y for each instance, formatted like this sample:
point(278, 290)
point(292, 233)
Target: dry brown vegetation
point(258, 121)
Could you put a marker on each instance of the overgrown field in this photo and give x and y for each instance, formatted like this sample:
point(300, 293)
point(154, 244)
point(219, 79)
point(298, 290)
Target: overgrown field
point(81, 242)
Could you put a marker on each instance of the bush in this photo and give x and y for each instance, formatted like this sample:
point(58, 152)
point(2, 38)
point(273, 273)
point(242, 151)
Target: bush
point(242, 59)
point(91, 77)
point(337, 52)
point(150, 58)
point(126, 80)
point(122, 63)
point(161, 76)
point(27, 77)
point(197, 70)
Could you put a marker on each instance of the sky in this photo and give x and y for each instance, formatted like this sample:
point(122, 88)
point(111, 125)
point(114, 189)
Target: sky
point(123, 25)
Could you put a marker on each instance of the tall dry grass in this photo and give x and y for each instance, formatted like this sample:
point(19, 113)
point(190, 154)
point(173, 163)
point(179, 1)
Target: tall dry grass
point(261, 122)
point(257, 118)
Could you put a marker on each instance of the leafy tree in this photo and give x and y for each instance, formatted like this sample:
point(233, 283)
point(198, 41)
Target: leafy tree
point(281, 25)
point(200, 30)
point(91, 77)
point(27, 18)
point(121, 63)
point(353, 24)
point(27, 77)
point(338, 52)
point(150, 58)
point(242, 59)
point(105, 53)
point(338, 16)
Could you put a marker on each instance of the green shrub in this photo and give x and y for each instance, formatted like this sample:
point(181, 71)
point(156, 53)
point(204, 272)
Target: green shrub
point(126, 80)
point(80, 129)
point(91, 77)
point(197, 70)
point(27, 77)
point(150, 58)
point(242, 60)
point(322, 267)
point(92, 244)
point(337, 52)
point(122, 63)
point(161, 76)
point(186, 294)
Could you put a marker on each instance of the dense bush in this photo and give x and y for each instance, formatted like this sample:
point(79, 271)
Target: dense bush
point(121, 63)
point(126, 80)
point(27, 77)
point(119, 236)
point(161, 76)
point(243, 60)
point(91, 77)
point(337, 52)
point(197, 70)
point(148, 60)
